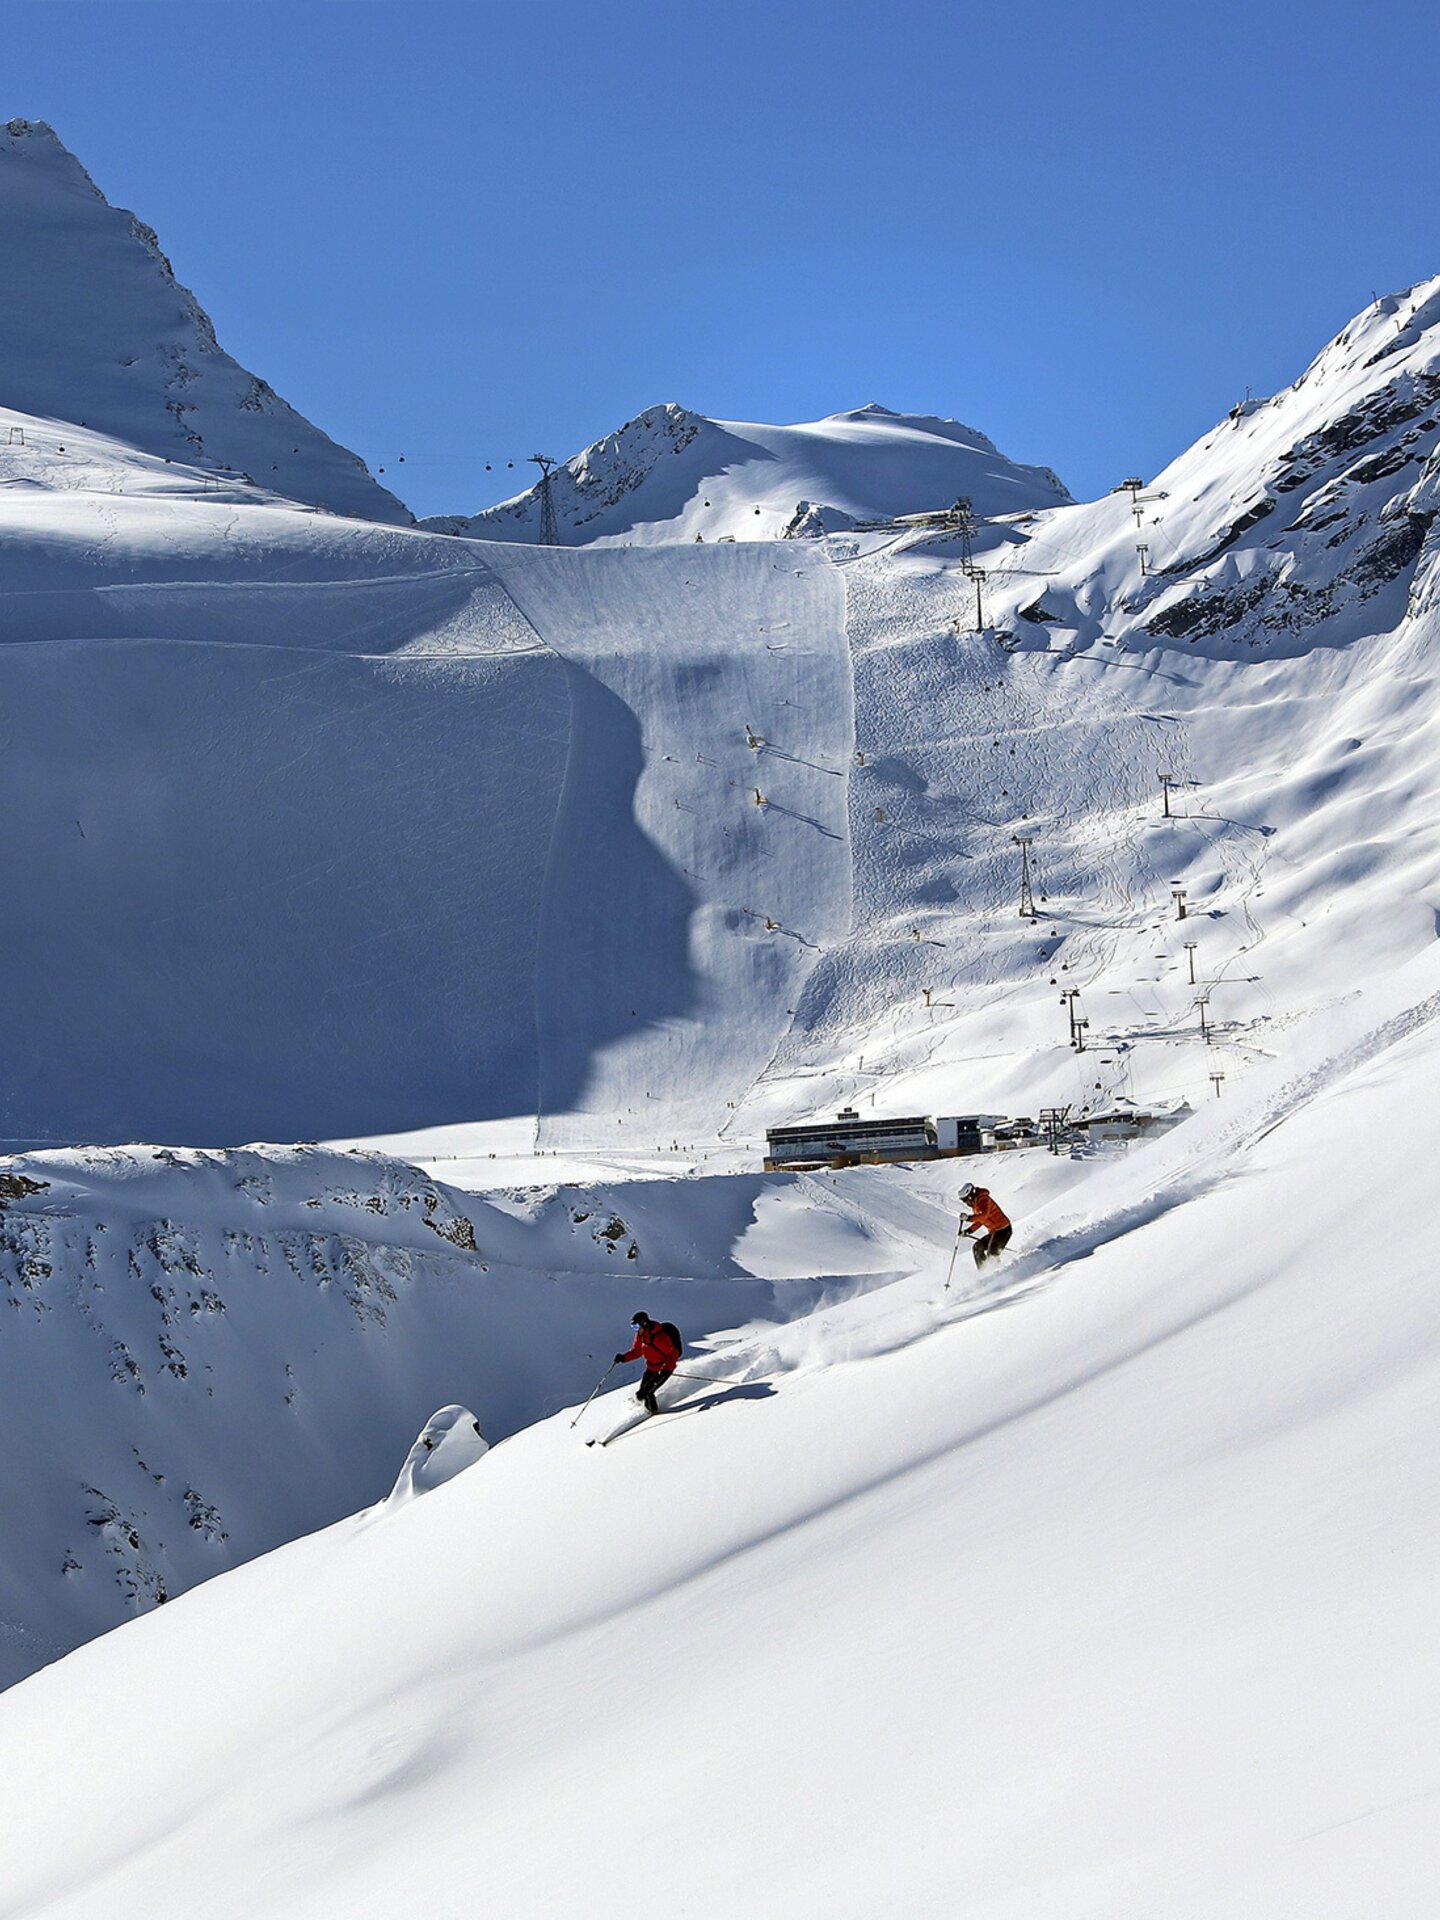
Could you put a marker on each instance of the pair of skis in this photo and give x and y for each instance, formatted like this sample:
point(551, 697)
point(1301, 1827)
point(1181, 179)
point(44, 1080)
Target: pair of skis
point(627, 1425)
point(634, 1420)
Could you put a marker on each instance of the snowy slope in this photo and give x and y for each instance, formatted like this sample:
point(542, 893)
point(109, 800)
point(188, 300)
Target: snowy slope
point(206, 1354)
point(668, 655)
point(670, 474)
point(1115, 1602)
point(340, 842)
point(324, 828)
point(1274, 652)
point(95, 331)
point(1294, 523)
point(250, 860)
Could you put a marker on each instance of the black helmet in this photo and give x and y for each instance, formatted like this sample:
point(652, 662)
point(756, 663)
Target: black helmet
point(639, 1319)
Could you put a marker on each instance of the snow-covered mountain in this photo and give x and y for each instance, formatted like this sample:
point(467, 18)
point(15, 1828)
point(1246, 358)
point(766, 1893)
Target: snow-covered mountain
point(569, 869)
point(647, 850)
point(95, 331)
point(1296, 522)
point(670, 474)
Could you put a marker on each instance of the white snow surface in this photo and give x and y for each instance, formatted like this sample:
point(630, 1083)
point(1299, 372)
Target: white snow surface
point(448, 1443)
point(670, 474)
point(539, 882)
point(1105, 1588)
point(96, 333)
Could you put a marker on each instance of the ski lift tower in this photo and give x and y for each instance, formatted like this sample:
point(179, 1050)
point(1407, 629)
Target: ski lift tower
point(966, 525)
point(1027, 899)
point(549, 537)
point(962, 519)
point(1134, 486)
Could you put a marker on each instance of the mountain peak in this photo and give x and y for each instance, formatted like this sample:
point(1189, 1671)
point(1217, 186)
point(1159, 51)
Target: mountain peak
point(96, 329)
point(672, 474)
point(41, 130)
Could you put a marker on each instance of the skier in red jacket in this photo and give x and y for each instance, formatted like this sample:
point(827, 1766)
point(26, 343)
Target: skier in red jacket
point(987, 1225)
point(657, 1343)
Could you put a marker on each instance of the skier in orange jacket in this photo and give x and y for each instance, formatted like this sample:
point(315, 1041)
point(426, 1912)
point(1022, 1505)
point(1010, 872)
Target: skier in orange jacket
point(987, 1225)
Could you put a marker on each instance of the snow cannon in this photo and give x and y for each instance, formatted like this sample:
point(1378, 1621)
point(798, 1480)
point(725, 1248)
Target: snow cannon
point(449, 1442)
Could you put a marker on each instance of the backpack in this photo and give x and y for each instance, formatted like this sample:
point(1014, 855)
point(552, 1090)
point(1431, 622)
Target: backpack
point(668, 1326)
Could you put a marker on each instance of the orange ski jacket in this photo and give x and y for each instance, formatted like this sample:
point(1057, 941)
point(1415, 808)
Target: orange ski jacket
point(985, 1214)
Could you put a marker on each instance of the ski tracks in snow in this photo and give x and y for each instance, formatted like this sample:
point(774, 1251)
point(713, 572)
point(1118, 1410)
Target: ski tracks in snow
point(1187, 1169)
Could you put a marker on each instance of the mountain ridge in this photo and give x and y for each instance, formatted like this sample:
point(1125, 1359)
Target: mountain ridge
point(746, 480)
point(97, 330)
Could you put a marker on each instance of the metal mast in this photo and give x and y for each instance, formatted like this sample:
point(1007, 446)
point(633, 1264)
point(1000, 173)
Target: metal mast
point(548, 535)
point(1027, 899)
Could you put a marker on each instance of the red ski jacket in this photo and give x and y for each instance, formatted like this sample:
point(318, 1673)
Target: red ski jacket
point(985, 1214)
point(655, 1347)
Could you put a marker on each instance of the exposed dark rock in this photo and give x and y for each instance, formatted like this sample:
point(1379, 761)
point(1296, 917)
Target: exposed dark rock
point(1403, 400)
point(1251, 518)
point(1398, 547)
point(16, 1186)
point(1380, 465)
point(460, 1231)
point(1207, 613)
point(1036, 611)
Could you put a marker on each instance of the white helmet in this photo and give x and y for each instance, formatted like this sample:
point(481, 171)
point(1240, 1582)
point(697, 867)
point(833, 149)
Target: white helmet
point(969, 1190)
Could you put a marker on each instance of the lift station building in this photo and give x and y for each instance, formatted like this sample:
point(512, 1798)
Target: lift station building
point(849, 1141)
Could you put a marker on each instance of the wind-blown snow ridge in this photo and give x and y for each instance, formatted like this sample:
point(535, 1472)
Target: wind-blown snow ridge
point(448, 1443)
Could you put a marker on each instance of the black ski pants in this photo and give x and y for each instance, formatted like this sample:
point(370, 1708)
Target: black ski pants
point(652, 1378)
point(992, 1243)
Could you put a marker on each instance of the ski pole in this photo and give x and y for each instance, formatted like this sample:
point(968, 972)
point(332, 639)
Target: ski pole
point(719, 1380)
point(595, 1389)
point(954, 1255)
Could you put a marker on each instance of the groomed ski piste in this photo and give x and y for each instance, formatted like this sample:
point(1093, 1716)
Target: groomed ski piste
point(537, 883)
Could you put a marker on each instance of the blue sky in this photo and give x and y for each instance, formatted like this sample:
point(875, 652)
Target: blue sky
point(470, 232)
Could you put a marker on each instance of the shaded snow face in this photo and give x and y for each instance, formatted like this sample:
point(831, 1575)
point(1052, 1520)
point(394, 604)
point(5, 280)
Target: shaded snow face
point(409, 834)
point(96, 329)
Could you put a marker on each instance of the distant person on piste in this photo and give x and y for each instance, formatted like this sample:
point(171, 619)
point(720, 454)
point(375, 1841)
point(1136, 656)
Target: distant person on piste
point(986, 1225)
point(658, 1344)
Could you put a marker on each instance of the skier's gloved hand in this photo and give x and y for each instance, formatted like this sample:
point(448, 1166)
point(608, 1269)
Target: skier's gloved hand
point(619, 1360)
